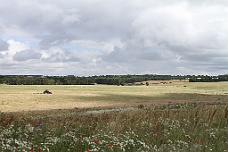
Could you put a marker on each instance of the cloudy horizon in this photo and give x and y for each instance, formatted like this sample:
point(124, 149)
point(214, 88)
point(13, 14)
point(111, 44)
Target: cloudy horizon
point(98, 37)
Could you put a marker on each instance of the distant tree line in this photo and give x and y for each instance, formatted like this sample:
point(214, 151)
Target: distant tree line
point(75, 80)
point(102, 79)
point(207, 78)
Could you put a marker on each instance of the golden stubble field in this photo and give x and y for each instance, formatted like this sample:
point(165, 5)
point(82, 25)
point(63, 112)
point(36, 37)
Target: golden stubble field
point(29, 98)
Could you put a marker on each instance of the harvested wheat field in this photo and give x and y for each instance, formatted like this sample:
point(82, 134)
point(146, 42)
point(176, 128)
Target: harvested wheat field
point(29, 98)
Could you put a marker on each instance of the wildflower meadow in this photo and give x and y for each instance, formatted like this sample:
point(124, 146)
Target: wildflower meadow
point(174, 127)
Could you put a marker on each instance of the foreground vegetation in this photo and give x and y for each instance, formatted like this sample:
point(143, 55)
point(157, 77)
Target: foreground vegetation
point(174, 127)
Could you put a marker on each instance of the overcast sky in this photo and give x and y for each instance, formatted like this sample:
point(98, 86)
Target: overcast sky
point(96, 37)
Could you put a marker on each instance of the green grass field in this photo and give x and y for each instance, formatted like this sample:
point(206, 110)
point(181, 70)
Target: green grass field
point(176, 116)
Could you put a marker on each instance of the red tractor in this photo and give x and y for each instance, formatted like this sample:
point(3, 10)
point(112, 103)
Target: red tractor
point(47, 92)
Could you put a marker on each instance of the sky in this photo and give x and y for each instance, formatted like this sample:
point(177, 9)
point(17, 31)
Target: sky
point(100, 37)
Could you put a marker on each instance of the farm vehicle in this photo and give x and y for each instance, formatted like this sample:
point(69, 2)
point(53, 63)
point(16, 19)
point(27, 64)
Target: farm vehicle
point(47, 92)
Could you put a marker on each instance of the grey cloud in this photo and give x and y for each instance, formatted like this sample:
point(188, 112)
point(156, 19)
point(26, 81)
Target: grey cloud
point(131, 54)
point(137, 49)
point(67, 56)
point(198, 57)
point(150, 55)
point(117, 55)
point(26, 55)
point(36, 18)
point(3, 45)
point(96, 24)
point(31, 15)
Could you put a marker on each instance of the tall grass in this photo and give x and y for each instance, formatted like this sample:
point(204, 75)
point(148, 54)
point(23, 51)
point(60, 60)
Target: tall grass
point(174, 127)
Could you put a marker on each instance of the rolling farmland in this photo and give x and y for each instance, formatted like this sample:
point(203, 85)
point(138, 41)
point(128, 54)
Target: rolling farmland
point(164, 116)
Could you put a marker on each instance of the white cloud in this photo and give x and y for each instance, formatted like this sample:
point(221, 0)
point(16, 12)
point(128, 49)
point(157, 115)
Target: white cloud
point(16, 46)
